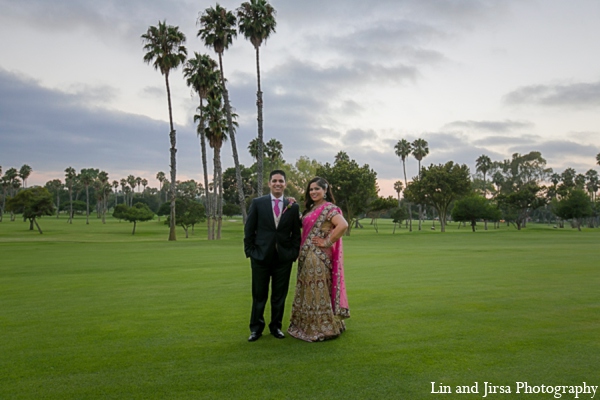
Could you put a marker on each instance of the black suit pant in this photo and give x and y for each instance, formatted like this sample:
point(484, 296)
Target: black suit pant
point(278, 274)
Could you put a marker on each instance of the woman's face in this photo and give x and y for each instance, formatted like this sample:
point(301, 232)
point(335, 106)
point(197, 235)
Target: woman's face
point(316, 192)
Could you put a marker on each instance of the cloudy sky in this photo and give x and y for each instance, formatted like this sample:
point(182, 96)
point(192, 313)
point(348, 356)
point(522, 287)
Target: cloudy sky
point(471, 77)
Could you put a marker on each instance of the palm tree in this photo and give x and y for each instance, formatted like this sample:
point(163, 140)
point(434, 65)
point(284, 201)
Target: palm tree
point(131, 181)
point(86, 179)
point(70, 175)
point(398, 186)
point(216, 133)
point(123, 184)
point(253, 149)
point(161, 177)
point(126, 191)
point(274, 151)
point(598, 158)
point(202, 75)
point(218, 31)
point(105, 191)
point(115, 185)
point(403, 149)
point(483, 164)
point(256, 23)
point(5, 185)
point(57, 185)
point(144, 184)
point(592, 183)
point(12, 176)
point(24, 173)
point(138, 182)
point(165, 49)
point(15, 184)
point(420, 151)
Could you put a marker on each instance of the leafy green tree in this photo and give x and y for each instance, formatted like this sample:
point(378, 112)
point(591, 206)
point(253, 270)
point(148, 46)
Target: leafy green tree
point(518, 204)
point(522, 170)
point(299, 174)
point(153, 202)
point(230, 193)
point(33, 203)
point(164, 209)
point(438, 186)
point(24, 173)
point(380, 206)
point(257, 23)
point(120, 211)
point(55, 186)
point(472, 208)
point(231, 209)
point(576, 206)
point(166, 51)
point(189, 213)
point(139, 212)
point(398, 215)
point(218, 31)
point(352, 185)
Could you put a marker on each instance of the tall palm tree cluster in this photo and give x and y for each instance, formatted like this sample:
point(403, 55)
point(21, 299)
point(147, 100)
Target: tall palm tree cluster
point(164, 46)
point(419, 149)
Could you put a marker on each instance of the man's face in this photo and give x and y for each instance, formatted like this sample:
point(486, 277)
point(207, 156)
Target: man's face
point(277, 185)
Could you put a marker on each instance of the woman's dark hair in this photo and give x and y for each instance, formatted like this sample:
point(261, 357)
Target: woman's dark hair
point(323, 184)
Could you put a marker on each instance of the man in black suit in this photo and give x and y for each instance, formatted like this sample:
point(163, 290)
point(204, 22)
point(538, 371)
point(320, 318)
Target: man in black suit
point(272, 241)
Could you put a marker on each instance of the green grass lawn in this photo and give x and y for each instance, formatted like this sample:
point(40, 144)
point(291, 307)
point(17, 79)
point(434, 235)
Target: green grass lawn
point(92, 312)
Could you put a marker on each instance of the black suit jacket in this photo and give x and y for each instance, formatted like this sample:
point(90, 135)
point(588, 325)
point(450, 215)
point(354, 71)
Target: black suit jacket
point(261, 237)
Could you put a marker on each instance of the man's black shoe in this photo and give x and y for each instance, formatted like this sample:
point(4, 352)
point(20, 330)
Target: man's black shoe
point(278, 334)
point(254, 336)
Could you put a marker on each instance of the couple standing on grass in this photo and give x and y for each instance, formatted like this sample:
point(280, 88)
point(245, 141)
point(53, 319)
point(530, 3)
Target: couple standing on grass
point(273, 241)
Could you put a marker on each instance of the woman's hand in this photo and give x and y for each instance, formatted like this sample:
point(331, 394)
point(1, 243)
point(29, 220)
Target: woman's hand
point(320, 242)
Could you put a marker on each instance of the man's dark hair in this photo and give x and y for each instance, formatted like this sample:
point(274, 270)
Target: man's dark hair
point(277, 171)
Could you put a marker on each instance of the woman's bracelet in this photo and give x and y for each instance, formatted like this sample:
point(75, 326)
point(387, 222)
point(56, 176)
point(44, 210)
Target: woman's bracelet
point(328, 243)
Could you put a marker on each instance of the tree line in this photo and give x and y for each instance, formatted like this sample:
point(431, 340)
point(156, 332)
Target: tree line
point(513, 190)
point(518, 188)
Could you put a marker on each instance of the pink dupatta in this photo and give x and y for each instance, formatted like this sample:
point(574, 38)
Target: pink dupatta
point(311, 226)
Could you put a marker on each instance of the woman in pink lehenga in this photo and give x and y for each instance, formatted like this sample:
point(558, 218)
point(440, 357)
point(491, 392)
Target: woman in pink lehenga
point(320, 303)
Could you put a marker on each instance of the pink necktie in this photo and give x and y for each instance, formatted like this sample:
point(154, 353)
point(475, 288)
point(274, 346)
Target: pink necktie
point(276, 209)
